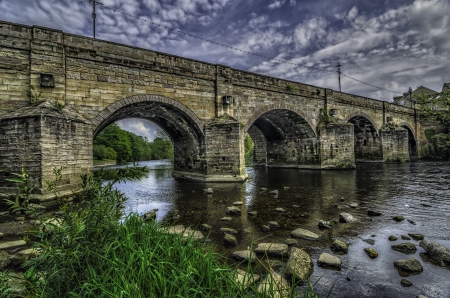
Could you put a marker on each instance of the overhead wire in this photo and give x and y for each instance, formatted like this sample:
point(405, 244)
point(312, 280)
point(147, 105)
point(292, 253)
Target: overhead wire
point(235, 49)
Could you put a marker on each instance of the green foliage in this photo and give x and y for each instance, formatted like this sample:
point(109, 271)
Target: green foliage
point(33, 95)
point(289, 87)
point(437, 107)
point(249, 147)
point(25, 194)
point(325, 120)
point(162, 147)
point(116, 138)
point(59, 105)
point(102, 152)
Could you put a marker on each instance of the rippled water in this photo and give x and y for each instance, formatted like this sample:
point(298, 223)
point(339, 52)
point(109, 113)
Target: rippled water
point(420, 191)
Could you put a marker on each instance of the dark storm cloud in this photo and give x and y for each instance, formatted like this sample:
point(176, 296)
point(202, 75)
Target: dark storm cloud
point(391, 44)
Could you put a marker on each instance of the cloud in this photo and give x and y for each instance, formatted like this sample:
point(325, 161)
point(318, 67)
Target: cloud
point(276, 4)
point(352, 13)
point(140, 127)
point(310, 31)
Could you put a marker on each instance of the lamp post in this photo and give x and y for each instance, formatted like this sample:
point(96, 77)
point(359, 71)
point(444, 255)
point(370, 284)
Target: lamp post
point(94, 15)
point(339, 75)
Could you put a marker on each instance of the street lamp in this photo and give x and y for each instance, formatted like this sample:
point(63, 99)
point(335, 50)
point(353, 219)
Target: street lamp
point(339, 74)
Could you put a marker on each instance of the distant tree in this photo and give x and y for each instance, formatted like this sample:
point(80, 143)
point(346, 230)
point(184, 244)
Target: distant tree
point(118, 139)
point(249, 146)
point(437, 107)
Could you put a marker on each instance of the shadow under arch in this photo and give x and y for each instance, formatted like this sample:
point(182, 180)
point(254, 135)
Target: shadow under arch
point(283, 137)
point(368, 145)
point(412, 141)
point(184, 128)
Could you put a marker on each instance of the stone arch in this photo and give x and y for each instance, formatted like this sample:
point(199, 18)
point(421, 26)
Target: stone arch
point(278, 106)
point(412, 140)
point(113, 108)
point(362, 114)
point(368, 145)
point(184, 128)
point(288, 136)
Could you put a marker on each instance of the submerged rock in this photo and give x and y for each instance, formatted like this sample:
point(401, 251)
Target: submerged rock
point(407, 248)
point(373, 213)
point(272, 249)
point(228, 231)
point(405, 283)
point(290, 241)
point(299, 265)
point(233, 210)
point(398, 218)
point(369, 241)
point(437, 251)
point(404, 237)
point(392, 238)
point(304, 234)
point(149, 215)
point(416, 236)
point(409, 265)
point(353, 205)
point(327, 260)
point(265, 228)
point(273, 224)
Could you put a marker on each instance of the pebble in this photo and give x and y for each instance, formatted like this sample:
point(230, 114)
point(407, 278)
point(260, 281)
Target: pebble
point(392, 238)
point(398, 218)
point(372, 253)
point(404, 237)
point(273, 224)
point(290, 241)
point(226, 218)
point(280, 210)
point(229, 239)
point(405, 283)
point(265, 228)
point(238, 203)
point(327, 260)
point(205, 227)
point(252, 213)
point(228, 231)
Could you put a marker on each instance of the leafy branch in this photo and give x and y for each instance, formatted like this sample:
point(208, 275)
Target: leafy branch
point(22, 202)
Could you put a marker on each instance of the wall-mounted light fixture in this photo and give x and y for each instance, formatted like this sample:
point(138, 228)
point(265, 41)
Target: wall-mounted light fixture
point(46, 80)
point(226, 100)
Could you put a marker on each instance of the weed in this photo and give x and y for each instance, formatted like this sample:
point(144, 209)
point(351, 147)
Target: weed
point(22, 202)
point(33, 95)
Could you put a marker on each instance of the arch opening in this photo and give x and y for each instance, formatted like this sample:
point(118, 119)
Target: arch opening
point(367, 141)
point(183, 131)
point(412, 144)
point(283, 138)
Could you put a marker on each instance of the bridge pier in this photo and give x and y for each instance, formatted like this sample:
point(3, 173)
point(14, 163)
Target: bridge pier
point(395, 143)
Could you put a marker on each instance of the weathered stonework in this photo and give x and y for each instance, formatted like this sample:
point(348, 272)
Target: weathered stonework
point(102, 82)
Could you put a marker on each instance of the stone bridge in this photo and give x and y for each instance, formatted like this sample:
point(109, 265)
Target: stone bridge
point(205, 108)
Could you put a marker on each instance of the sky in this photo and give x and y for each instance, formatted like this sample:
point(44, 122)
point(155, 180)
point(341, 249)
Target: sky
point(391, 44)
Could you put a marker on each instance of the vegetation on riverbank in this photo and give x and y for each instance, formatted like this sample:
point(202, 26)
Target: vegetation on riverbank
point(437, 107)
point(124, 146)
point(92, 250)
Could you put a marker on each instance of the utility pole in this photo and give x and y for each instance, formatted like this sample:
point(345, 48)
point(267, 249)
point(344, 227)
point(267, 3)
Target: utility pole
point(339, 75)
point(94, 15)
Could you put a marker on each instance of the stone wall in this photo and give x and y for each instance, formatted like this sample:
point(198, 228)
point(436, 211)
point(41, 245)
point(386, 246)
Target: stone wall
point(394, 142)
point(337, 146)
point(260, 146)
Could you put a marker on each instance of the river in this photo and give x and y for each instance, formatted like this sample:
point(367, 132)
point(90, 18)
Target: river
point(419, 191)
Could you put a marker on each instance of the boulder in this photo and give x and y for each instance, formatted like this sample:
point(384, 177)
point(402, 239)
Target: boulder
point(347, 218)
point(339, 246)
point(244, 255)
point(437, 251)
point(372, 253)
point(4, 259)
point(299, 265)
point(327, 260)
point(392, 238)
point(407, 248)
point(304, 234)
point(229, 239)
point(274, 286)
point(273, 192)
point(409, 265)
point(416, 236)
point(324, 224)
point(272, 249)
point(244, 279)
point(233, 210)
point(227, 218)
point(252, 213)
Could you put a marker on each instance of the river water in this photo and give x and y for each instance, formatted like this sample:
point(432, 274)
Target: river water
point(419, 191)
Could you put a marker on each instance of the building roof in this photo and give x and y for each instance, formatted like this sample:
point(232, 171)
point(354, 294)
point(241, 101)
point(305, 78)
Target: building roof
point(445, 87)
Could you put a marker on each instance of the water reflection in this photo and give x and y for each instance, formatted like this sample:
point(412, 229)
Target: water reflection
point(418, 191)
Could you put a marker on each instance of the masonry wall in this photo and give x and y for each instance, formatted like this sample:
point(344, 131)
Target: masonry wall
point(337, 146)
point(260, 146)
point(394, 144)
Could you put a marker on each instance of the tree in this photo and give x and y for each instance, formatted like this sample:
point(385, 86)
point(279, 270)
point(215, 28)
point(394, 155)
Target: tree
point(437, 107)
point(249, 146)
point(116, 138)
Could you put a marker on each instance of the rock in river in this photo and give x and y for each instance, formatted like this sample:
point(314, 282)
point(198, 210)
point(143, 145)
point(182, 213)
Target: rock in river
point(290, 241)
point(373, 213)
point(407, 248)
point(244, 255)
point(274, 286)
point(327, 260)
point(409, 265)
point(398, 218)
point(273, 192)
point(405, 283)
point(273, 224)
point(272, 249)
point(304, 234)
point(265, 228)
point(228, 231)
point(437, 251)
point(244, 279)
point(229, 239)
point(324, 224)
point(299, 265)
point(347, 218)
point(416, 236)
point(392, 238)
point(233, 210)
point(372, 253)
point(339, 246)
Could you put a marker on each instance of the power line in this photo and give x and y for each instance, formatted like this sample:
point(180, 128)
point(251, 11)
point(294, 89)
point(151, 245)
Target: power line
point(236, 49)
